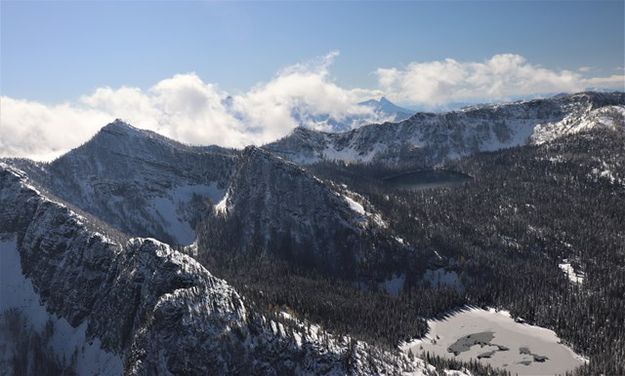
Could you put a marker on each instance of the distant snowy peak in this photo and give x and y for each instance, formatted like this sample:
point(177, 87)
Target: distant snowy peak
point(368, 112)
point(388, 108)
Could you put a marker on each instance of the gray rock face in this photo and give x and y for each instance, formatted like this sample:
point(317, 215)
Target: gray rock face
point(160, 310)
point(427, 139)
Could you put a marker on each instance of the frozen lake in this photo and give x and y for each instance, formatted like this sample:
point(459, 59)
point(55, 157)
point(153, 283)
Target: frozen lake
point(426, 179)
point(496, 339)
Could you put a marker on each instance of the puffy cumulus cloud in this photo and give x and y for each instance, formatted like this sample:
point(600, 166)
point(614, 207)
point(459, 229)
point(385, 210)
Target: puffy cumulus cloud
point(302, 93)
point(187, 109)
point(182, 107)
point(502, 76)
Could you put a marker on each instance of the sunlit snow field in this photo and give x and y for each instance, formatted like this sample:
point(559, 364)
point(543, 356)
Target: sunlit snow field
point(499, 341)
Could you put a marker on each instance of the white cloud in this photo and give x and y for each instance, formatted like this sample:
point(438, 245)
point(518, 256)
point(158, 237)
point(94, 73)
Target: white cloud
point(189, 110)
point(182, 107)
point(185, 108)
point(615, 81)
point(500, 77)
point(33, 130)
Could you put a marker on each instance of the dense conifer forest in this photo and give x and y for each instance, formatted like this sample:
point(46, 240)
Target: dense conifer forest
point(503, 232)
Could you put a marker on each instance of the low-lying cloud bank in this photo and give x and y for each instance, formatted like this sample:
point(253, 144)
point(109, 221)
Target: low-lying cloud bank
point(189, 110)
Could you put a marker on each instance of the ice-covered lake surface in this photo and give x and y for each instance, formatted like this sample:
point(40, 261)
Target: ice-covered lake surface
point(494, 338)
point(427, 179)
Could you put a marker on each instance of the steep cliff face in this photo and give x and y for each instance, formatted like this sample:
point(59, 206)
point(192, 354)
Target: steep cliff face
point(426, 138)
point(153, 310)
point(274, 205)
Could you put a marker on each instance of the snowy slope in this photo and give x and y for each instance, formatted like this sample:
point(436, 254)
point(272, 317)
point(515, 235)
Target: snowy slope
point(17, 292)
point(143, 184)
point(610, 117)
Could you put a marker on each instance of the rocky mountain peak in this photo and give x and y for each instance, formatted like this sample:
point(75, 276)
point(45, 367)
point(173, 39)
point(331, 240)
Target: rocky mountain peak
point(119, 125)
point(254, 152)
point(121, 137)
point(383, 100)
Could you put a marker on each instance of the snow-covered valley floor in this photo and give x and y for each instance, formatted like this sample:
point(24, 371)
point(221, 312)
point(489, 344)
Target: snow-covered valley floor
point(496, 339)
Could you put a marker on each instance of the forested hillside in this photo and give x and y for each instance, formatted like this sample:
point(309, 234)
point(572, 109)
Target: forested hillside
point(506, 232)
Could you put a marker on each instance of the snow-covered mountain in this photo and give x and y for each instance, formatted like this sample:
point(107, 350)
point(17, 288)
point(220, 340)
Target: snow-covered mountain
point(388, 108)
point(100, 303)
point(427, 138)
point(140, 182)
point(89, 264)
point(143, 184)
point(376, 111)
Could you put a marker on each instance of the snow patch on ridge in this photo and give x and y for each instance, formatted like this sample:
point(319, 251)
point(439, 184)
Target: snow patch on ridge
point(576, 277)
point(222, 206)
point(359, 209)
point(170, 209)
point(355, 206)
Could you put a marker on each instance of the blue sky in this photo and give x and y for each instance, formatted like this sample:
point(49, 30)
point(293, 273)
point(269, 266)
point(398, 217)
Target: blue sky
point(240, 73)
point(56, 51)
